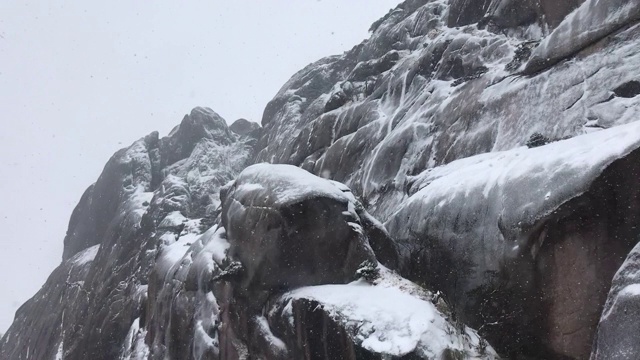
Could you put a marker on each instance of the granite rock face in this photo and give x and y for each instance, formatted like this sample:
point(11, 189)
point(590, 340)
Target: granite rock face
point(87, 306)
point(510, 13)
point(289, 228)
point(283, 276)
point(617, 335)
point(400, 162)
point(526, 247)
point(440, 82)
point(591, 22)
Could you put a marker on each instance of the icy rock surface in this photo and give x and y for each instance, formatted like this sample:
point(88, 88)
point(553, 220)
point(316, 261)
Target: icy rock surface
point(489, 218)
point(419, 94)
point(591, 22)
point(619, 328)
point(510, 13)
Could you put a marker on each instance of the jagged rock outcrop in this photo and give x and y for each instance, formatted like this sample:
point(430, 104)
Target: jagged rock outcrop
point(426, 123)
point(256, 284)
point(123, 220)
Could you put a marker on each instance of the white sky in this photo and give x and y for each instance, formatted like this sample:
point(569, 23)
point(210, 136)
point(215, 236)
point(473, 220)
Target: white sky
point(80, 79)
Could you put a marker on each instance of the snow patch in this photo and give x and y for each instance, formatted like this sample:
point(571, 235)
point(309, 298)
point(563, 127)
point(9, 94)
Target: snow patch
point(85, 256)
point(134, 347)
point(630, 290)
point(173, 219)
point(288, 184)
point(547, 175)
point(264, 327)
point(60, 351)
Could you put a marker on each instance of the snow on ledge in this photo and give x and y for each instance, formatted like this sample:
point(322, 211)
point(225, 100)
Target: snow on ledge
point(522, 184)
point(85, 256)
point(285, 184)
point(387, 320)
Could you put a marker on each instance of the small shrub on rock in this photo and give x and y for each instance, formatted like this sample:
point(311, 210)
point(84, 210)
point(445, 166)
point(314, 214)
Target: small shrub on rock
point(536, 140)
point(368, 271)
point(231, 272)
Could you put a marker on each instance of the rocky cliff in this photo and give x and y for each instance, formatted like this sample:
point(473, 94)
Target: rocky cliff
point(471, 165)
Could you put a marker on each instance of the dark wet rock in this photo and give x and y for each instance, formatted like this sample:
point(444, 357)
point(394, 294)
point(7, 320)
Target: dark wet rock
point(628, 90)
point(244, 127)
point(465, 12)
point(555, 11)
point(514, 13)
point(289, 228)
point(510, 13)
point(618, 329)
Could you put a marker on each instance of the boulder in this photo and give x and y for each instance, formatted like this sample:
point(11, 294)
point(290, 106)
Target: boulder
point(618, 332)
point(290, 228)
point(244, 127)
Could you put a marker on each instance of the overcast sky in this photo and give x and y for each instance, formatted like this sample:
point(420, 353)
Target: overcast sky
point(79, 80)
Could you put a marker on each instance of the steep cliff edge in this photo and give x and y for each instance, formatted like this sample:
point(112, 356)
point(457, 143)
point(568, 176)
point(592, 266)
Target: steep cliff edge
point(87, 306)
point(426, 123)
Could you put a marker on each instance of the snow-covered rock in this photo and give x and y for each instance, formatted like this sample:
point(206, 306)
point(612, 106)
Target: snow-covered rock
point(390, 318)
point(499, 222)
point(47, 324)
point(591, 22)
point(290, 228)
point(221, 294)
point(151, 198)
